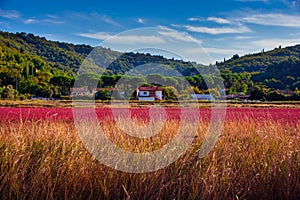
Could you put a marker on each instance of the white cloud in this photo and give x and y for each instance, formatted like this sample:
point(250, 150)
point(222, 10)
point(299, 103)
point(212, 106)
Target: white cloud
point(216, 31)
point(273, 20)
point(272, 43)
point(109, 21)
point(104, 18)
point(5, 24)
point(164, 34)
point(214, 51)
point(10, 14)
point(97, 35)
point(136, 39)
point(140, 20)
point(219, 20)
point(192, 19)
point(242, 37)
point(124, 39)
point(292, 3)
point(181, 36)
point(52, 21)
point(48, 20)
point(253, 1)
point(30, 21)
point(295, 4)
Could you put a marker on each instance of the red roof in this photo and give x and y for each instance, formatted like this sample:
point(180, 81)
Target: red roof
point(152, 88)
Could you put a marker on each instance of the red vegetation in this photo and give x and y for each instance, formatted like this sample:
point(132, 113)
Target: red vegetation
point(282, 115)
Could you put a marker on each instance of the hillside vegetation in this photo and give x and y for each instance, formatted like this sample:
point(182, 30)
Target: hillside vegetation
point(33, 65)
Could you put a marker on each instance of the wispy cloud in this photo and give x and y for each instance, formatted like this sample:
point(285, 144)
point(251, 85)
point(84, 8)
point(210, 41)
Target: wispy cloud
point(97, 35)
point(52, 21)
point(292, 3)
point(193, 19)
point(242, 37)
point(219, 20)
point(181, 36)
point(47, 20)
point(9, 14)
point(218, 30)
point(163, 34)
point(30, 21)
point(4, 24)
point(273, 20)
point(124, 39)
point(211, 53)
point(105, 18)
point(295, 4)
point(271, 43)
point(253, 1)
point(224, 51)
point(141, 21)
point(109, 20)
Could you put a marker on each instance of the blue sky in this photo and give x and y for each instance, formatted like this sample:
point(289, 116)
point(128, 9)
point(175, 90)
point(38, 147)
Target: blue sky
point(221, 27)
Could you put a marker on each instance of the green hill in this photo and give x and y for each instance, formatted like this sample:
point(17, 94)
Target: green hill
point(34, 65)
point(278, 69)
point(259, 62)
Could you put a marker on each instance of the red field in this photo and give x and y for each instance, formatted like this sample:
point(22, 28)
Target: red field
point(282, 115)
point(257, 156)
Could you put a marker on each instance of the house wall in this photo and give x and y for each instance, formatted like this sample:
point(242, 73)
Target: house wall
point(72, 94)
point(158, 94)
point(202, 96)
point(146, 98)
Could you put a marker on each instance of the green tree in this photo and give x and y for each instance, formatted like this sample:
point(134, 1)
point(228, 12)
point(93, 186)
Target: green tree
point(156, 79)
point(63, 82)
point(276, 96)
point(259, 92)
point(170, 93)
point(8, 92)
point(103, 95)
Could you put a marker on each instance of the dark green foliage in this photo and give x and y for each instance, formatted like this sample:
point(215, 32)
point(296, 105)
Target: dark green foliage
point(170, 93)
point(259, 92)
point(283, 75)
point(8, 92)
point(259, 62)
point(103, 95)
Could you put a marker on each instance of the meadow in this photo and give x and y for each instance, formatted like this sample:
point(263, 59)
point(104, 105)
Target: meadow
point(257, 157)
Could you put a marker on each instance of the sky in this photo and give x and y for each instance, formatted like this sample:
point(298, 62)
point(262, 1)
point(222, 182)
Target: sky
point(201, 31)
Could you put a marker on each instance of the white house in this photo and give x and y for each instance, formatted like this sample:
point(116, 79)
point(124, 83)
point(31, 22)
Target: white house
point(207, 97)
point(149, 93)
point(79, 92)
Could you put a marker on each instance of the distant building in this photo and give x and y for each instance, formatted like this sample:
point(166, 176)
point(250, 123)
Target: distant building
point(79, 92)
point(287, 92)
point(207, 97)
point(236, 97)
point(149, 93)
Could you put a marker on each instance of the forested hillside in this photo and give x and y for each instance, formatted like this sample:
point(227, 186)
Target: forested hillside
point(259, 62)
point(33, 65)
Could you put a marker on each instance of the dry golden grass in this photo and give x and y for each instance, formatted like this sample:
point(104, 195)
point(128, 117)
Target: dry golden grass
point(46, 160)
